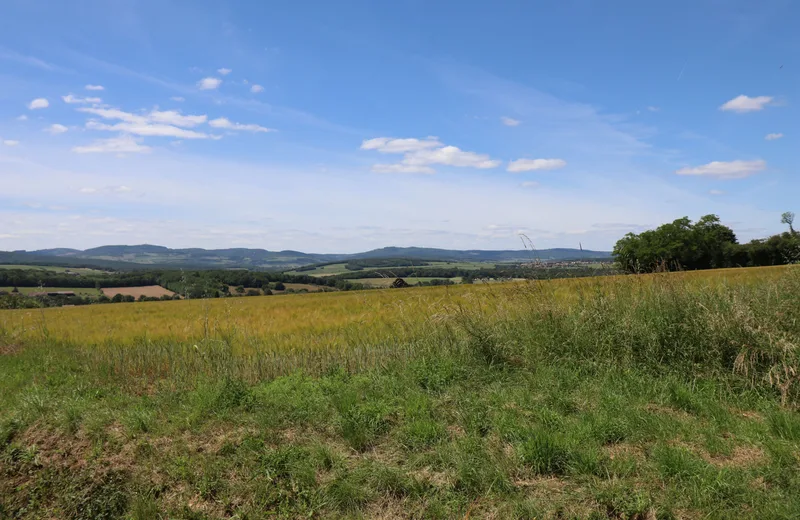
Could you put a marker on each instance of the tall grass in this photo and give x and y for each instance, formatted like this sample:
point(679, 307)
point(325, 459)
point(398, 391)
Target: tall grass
point(656, 396)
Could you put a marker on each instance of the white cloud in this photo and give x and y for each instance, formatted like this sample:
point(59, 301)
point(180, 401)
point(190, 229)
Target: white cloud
point(716, 192)
point(255, 89)
point(725, 170)
point(10, 142)
point(173, 117)
point(530, 184)
point(72, 100)
point(156, 123)
point(209, 83)
point(121, 144)
point(527, 165)
point(88, 190)
point(23, 117)
point(38, 103)
point(122, 189)
point(508, 121)
point(94, 87)
point(391, 145)
point(223, 122)
point(114, 113)
point(450, 156)
point(148, 129)
point(401, 168)
point(56, 129)
point(744, 103)
point(223, 71)
point(179, 99)
point(419, 154)
point(653, 109)
point(772, 137)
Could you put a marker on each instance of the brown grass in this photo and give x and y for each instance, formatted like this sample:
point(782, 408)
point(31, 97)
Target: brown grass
point(148, 290)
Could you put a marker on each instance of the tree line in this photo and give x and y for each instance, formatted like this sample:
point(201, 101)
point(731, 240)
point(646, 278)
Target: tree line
point(705, 244)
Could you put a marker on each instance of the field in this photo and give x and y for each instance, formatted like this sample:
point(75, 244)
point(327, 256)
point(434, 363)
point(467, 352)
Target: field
point(658, 396)
point(80, 270)
point(155, 291)
point(80, 291)
point(334, 269)
point(386, 282)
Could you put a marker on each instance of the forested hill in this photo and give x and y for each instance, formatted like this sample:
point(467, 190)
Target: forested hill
point(126, 256)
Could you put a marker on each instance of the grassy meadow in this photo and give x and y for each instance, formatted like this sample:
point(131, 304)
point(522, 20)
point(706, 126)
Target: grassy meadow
point(80, 291)
point(657, 396)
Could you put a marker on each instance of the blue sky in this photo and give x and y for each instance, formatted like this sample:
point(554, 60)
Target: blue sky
point(346, 126)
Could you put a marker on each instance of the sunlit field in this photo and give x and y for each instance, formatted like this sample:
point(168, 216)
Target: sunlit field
point(329, 319)
point(634, 397)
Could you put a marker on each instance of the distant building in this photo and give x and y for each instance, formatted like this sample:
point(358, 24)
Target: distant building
point(399, 284)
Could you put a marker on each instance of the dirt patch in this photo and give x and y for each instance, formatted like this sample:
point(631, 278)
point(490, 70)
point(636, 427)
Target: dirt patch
point(151, 291)
point(742, 457)
point(624, 450)
point(7, 350)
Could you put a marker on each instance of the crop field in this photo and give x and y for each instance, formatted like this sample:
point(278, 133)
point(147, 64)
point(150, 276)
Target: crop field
point(653, 396)
point(80, 291)
point(149, 290)
point(334, 269)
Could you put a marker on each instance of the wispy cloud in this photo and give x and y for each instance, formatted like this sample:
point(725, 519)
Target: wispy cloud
point(74, 100)
point(772, 137)
point(56, 128)
point(716, 192)
point(209, 83)
point(225, 123)
point(508, 121)
point(527, 165)
point(38, 103)
point(10, 142)
point(9, 55)
point(94, 87)
point(120, 145)
point(530, 184)
point(741, 104)
point(255, 89)
point(224, 72)
point(23, 117)
point(173, 117)
point(725, 170)
point(149, 130)
point(392, 145)
point(179, 99)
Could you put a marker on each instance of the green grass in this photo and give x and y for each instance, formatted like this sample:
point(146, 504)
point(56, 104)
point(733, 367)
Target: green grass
point(645, 401)
point(80, 291)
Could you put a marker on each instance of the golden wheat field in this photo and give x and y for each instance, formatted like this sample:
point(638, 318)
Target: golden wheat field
point(317, 321)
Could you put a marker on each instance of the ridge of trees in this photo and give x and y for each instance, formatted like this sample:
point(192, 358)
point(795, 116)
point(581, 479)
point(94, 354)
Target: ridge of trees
point(705, 244)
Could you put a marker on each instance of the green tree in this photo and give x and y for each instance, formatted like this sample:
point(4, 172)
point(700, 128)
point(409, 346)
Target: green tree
point(679, 244)
point(788, 218)
point(280, 287)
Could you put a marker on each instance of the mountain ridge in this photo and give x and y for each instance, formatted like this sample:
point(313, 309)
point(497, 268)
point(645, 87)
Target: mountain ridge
point(149, 255)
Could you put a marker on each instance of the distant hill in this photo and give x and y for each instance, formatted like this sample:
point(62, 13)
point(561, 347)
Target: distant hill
point(137, 256)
